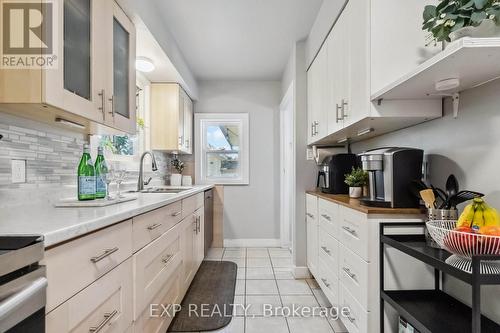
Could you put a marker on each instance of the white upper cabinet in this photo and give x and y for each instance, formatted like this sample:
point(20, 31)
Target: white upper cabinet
point(94, 80)
point(367, 48)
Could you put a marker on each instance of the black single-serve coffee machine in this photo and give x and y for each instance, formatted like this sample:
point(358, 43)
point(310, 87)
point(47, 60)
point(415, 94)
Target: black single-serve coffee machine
point(331, 175)
point(391, 170)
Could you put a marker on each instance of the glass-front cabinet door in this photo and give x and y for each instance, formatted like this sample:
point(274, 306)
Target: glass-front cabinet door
point(76, 84)
point(123, 72)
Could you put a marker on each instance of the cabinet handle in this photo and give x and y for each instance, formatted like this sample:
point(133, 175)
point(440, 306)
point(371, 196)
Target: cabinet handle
point(102, 94)
point(316, 124)
point(344, 105)
point(154, 226)
point(348, 272)
point(198, 223)
point(176, 214)
point(104, 322)
point(181, 140)
point(105, 254)
point(327, 217)
point(310, 215)
point(112, 100)
point(195, 226)
point(326, 250)
point(187, 143)
point(337, 109)
point(349, 230)
point(167, 259)
point(325, 281)
point(312, 129)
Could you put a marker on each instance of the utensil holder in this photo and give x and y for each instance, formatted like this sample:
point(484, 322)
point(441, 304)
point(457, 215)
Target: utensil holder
point(434, 214)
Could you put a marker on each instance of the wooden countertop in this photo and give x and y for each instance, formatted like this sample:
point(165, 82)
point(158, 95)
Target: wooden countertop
point(344, 200)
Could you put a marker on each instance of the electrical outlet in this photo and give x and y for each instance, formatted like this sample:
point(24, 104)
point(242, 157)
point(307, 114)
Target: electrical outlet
point(18, 171)
point(309, 154)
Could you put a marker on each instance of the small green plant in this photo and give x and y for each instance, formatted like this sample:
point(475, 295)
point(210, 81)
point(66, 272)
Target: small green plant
point(178, 165)
point(357, 178)
point(451, 15)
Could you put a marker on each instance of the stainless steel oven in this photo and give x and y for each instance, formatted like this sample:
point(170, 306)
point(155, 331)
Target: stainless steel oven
point(23, 284)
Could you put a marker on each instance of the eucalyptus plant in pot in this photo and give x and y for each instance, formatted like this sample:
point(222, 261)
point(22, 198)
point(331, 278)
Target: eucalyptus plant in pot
point(356, 180)
point(454, 19)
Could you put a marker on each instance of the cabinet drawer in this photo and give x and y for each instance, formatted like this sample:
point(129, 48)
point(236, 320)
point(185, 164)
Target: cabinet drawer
point(353, 273)
point(329, 250)
point(153, 266)
point(155, 320)
point(329, 282)
point(328, 214)
point(353, 231)
point(357, 319)
point(107, 302)
point(147, 227)
point(192, 203)
point(74, 265)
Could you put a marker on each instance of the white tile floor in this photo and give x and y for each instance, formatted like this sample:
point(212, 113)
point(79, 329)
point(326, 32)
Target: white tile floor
point(265, 277)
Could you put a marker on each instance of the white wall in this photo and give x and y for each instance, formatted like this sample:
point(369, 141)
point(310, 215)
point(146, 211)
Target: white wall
point(251, 212)
point(468, 147)
point(295, 72)
point(327, 16)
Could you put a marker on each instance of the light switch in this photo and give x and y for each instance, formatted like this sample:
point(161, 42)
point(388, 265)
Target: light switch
point(18, 171)
point(309, 154)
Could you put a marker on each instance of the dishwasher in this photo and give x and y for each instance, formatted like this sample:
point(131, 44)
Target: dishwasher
point(209, 219)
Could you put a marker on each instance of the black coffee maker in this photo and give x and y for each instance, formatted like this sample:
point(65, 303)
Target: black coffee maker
point(331, 175)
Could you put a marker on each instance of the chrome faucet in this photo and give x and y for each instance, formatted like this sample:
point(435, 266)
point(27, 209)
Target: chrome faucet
point(154, 167)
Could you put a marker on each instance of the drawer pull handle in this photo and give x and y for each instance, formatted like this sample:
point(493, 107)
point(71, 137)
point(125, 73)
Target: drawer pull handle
point(310, 215)
point(327, 217)
point(176, 214)
point(154, 226)
point(326, 250)
point(105, 254)
point(167, 259)
point(104, 322)
point(349, 230)
point(348, 272)
point(351, 319)
point(325, 281)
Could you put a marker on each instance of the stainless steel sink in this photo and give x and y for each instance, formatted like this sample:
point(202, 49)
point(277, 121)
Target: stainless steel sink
point(164, 190)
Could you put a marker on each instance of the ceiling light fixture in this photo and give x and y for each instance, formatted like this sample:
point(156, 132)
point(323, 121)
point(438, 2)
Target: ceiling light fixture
point(144, 64)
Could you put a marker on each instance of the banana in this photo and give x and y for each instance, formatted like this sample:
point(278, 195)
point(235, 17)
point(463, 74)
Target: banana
point(491, 217)
point(466, 217)
point(478, 220)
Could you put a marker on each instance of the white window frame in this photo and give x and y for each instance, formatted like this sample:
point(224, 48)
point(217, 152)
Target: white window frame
point(202, 120)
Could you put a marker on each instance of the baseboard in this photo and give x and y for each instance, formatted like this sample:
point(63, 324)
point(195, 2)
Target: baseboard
point(257, 242)
point(301, 272)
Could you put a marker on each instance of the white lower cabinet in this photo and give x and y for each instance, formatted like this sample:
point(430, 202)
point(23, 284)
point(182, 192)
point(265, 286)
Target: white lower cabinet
point(312, 232)
point(121, 278)
point(343, 256)
point(106, 305)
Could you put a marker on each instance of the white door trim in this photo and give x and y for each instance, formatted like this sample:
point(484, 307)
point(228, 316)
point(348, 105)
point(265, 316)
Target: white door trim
point(287, 162)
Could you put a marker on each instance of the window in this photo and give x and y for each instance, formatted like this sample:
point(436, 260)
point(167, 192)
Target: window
point(222, 148)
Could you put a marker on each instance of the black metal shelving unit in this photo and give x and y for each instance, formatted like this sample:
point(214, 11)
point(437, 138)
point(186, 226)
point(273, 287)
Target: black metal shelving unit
point(434, 311)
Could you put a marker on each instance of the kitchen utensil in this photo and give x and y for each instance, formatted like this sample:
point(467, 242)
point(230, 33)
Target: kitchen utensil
point(451, 185)
point(429, 198)
point(463, 196)
point(439, 193)
point(415, 187)
point(464, 245)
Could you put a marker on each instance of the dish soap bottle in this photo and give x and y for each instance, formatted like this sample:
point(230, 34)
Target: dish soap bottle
point(86, 176)
point(101, 171)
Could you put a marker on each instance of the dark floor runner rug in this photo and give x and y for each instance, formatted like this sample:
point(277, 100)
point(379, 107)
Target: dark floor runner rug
point(212, 295)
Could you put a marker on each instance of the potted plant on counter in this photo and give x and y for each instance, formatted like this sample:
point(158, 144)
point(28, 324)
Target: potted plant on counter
point(356, 180)
point(176, 178)
point(453, 19)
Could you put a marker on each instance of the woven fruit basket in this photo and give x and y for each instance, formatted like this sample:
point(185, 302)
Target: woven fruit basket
point(464, 245)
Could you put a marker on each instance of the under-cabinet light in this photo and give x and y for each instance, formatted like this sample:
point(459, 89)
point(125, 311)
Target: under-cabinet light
point(365, 131)
point(342, 140)
point(69, 123)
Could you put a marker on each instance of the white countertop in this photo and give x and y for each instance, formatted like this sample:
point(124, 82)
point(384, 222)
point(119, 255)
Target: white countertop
point(61, 224)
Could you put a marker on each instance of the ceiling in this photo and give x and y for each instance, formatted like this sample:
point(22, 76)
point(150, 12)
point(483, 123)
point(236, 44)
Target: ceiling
point(237, 39)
